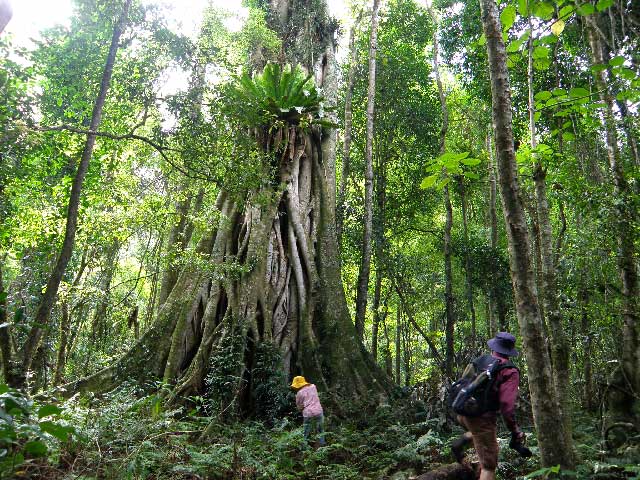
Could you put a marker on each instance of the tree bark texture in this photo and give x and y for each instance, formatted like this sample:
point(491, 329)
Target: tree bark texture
point(365, 265)
point(559, 345)
point(288, 290)
point(544, 401)
point(43, 312)
point(624, 225)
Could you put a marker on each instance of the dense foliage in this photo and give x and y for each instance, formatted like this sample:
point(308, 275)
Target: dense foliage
point(168, 161)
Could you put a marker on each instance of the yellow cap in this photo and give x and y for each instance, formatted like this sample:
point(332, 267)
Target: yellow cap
point(299, 382)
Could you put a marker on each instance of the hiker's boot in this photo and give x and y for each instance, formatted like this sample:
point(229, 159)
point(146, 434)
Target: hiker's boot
point(458, 446)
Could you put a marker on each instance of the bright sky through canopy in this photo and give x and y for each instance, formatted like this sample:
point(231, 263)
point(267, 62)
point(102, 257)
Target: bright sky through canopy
point(31, 16)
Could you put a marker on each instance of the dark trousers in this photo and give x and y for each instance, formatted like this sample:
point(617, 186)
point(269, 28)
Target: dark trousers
point(316, 423)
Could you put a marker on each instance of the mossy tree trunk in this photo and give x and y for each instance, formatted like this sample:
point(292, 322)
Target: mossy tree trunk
point(288, 290)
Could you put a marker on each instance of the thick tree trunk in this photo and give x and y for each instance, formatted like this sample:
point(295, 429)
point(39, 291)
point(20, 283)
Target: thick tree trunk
point(365, 265)
point(624, 225)
point(288, 292)
point(544, 401)
point(41, 318)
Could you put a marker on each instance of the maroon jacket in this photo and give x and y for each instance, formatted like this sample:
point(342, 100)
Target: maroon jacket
point(507, 381)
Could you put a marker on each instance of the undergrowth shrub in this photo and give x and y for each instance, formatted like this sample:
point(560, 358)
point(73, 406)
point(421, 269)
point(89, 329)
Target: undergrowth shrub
point(30, 433)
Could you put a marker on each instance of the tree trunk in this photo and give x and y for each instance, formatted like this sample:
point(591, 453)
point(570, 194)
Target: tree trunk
point(65, 324)
point(365, 265)
point(467, 261)
point(289, 291)
point(497, 304)
point(380, 243)
point(348, 123)
point(548, 421)
point(559, 344)
point(624, 225)
point(585, 324)
point(43, 313)
point(398, 337)
point(448, 271)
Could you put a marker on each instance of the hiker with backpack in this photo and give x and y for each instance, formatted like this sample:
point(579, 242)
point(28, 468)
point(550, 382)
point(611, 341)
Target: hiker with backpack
point(488, 385)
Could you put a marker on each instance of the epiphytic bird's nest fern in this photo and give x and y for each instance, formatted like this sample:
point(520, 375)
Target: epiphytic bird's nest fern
point(279, 96)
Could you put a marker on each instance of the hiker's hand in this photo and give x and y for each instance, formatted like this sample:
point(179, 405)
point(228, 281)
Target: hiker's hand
point(518, 444)
point(518, 437)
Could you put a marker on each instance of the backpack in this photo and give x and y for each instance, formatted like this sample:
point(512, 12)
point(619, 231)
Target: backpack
point(476, 392)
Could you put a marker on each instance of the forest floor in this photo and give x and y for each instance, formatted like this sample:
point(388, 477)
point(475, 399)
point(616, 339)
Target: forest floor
point(127, 436)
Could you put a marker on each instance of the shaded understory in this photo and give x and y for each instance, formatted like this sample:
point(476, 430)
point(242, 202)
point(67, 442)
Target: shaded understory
point(127, 436)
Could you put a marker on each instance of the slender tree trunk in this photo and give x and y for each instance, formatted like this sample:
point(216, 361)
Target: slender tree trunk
point(380, 242)
point(65, 323)
point(559, 345)
point(497, 303)
point(41, 318)
point(624, 225)
point(547, 418)
point(6, 344)
point(175, 244)
point(398, 337)
point(585, 325)
point(348, 123)
point(467, 261)
point(98, 323)
point(365, 266)
point(448, 271)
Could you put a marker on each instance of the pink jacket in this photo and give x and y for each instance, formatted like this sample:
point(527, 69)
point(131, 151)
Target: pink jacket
point(308, 401)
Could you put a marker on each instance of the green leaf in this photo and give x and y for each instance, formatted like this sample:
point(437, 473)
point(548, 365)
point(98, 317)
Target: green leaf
point(565, 12)
point(536, 116)
point(616, 61)
point(542, 96)
point(508, 17)
point(514, 46)
point(472, 175)
point(578, 92)
point(482, 40)
point(542, 63)
point(543, 10)
point(429, 181)
point(586, 9)
point(47, 410)
point(559, 92)
point(443, 183)
point(627, 74)
point(35, 448)
point(540, 52)
point(598, 67)
point(523, 8)
point(470, 162)
point(59, 431)
point(603, 4)
point(567, 136)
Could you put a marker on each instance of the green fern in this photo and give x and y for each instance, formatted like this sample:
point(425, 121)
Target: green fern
point(279, 94)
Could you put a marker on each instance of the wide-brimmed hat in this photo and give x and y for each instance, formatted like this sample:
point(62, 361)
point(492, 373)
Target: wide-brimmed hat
point(299, 382)
point(504, 343)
